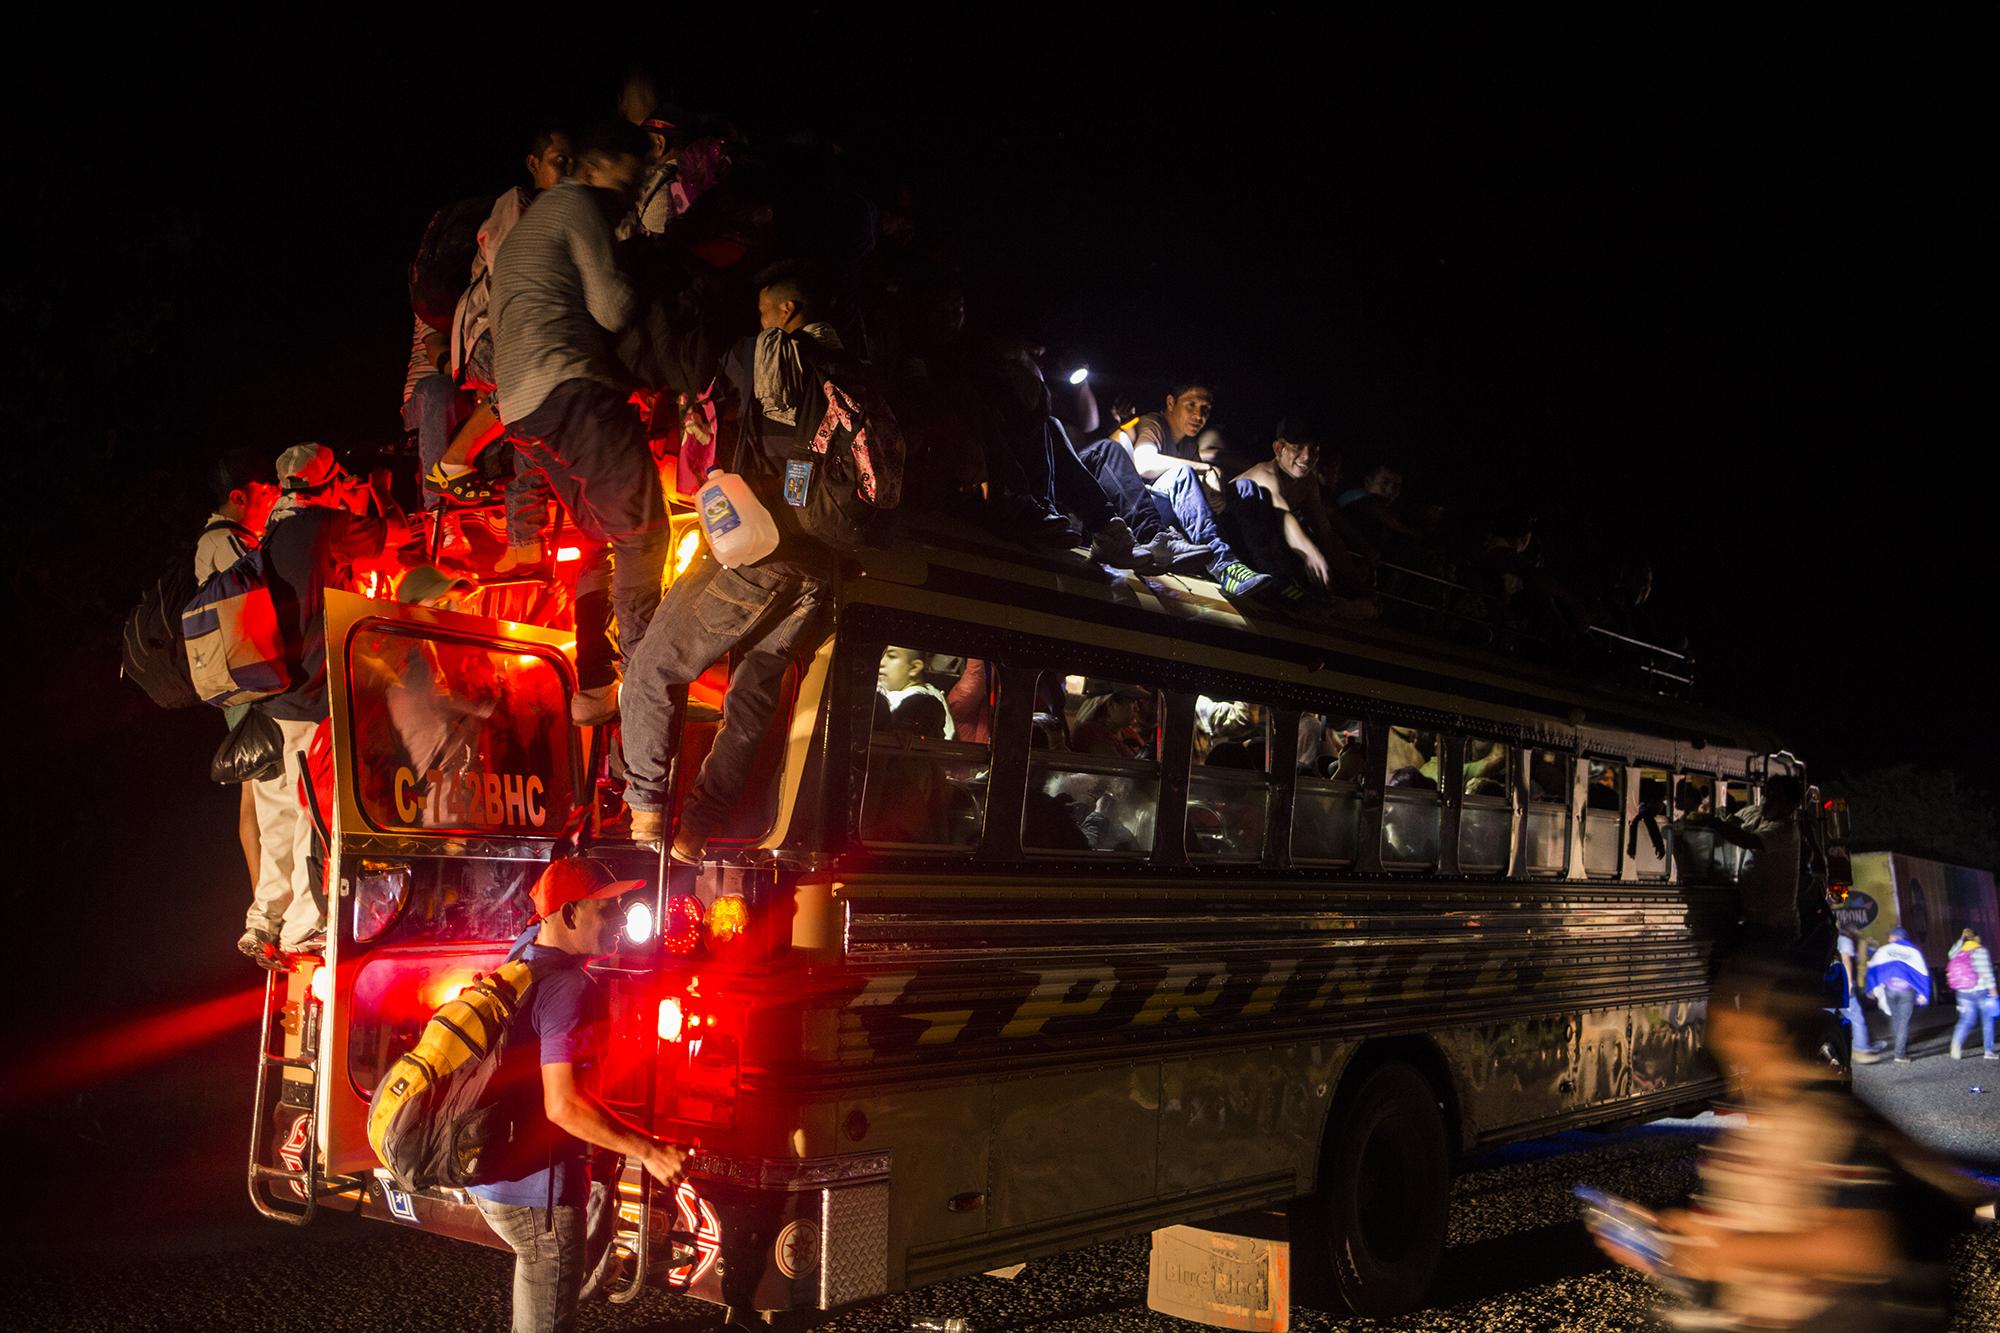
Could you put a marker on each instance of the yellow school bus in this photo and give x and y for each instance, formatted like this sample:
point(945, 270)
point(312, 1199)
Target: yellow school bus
point(1064, 906)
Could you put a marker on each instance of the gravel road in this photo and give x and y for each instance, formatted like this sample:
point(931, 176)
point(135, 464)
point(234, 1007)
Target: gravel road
point(1517, 1259)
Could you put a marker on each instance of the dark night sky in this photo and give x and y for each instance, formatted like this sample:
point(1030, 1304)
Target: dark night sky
point(1700, 290)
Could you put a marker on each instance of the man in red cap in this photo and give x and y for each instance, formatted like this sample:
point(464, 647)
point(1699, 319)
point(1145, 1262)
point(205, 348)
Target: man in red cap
point(557, 1220)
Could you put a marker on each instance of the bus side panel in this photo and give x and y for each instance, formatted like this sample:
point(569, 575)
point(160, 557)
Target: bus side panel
point(937, 1137)
point(1073, 1142)
point(1234, 1115)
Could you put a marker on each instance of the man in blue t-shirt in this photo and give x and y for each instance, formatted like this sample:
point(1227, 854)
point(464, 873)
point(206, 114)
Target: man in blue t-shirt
point(554, 1216)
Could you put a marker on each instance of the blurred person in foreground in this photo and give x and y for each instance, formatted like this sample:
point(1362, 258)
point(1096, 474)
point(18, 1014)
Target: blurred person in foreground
point(1811, 1211)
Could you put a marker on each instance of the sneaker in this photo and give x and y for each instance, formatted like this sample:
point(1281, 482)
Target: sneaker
point(1113, 545)
point(1991, 1055)
point(1238, 580)
point(595, 706)
point(1175, 553)
point(647, 827)
point(1956, 1053)
point(1901, 1060)
point(460, 488)
point(261, 948)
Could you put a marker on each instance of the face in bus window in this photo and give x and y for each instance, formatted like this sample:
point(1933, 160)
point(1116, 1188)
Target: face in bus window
point(900, 669)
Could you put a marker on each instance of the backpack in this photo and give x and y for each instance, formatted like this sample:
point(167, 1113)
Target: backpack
point(443, 264)
point(435, 1118)
point(235, 646)
point(1960, 973)
point(153, 654)
point(845, 480)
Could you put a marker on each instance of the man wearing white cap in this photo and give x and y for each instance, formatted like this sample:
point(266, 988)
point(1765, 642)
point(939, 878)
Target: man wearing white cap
point(313, 546)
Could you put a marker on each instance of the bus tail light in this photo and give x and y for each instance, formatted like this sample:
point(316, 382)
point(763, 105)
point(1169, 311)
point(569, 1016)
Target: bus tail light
point(321, 984)
point(683, 924)
point(671, 1019)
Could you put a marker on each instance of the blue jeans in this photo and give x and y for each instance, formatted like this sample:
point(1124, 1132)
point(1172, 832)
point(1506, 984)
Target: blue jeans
point(433, 412)
point(1902, 1005)
point(1857, 1022)
point(554, 1251)
point(769, 617)
point(1971, 1011)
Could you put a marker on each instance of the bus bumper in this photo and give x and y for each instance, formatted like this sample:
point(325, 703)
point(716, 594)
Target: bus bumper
point(759, 1234)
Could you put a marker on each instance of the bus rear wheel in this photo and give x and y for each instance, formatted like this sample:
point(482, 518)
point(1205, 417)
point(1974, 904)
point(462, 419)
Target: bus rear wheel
point(1375, 1230)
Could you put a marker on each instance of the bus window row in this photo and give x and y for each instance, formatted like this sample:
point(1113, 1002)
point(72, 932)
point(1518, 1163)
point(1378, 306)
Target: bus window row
point(1094, 784)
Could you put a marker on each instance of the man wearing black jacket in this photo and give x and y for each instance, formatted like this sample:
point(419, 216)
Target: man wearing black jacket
point(770, 611)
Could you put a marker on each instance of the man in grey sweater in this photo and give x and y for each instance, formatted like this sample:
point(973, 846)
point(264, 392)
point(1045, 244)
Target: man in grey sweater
point(558, 299)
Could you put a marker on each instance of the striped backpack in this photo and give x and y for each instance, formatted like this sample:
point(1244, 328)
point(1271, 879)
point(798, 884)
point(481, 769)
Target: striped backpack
point(235, 648)
point(436, 1118)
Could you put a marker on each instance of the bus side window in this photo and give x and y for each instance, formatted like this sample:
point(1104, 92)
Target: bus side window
point(1411, 800)
point(1486, 814)
point(1094, 769)
point(928, 751)
point(1549, 796)
point(1696, 856)
point(1326, 813)
point(1229, 789)
point(1646, 842)
point(1603, 819)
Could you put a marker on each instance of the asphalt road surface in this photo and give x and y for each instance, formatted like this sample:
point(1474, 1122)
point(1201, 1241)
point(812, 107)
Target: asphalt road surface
point(1517, 1259)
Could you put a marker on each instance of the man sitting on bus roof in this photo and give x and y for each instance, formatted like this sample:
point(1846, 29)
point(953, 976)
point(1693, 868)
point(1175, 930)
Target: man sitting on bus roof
point(1281, 523)
point(558, 1225)
point(769, 611)
point(1160, 484)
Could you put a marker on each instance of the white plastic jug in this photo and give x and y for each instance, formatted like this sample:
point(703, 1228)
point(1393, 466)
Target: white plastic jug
point(738, 528)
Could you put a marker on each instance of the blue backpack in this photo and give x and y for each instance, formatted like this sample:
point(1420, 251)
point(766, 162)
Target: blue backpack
point(235, 646)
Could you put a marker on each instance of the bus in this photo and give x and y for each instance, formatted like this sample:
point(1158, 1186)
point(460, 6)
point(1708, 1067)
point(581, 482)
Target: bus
point(1184, 910)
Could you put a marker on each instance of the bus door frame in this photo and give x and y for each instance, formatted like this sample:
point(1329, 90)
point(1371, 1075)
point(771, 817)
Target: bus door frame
point(340, 1119)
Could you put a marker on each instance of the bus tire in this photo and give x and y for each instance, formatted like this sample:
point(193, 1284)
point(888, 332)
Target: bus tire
point(1375, 1230)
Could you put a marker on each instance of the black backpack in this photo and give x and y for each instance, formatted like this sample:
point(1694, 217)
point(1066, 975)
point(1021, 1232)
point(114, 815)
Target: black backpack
point(153, 654)
point(442, 269)
point(844, 479)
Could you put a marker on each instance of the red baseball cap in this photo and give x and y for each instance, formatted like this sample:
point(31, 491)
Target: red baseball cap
point(575, 879)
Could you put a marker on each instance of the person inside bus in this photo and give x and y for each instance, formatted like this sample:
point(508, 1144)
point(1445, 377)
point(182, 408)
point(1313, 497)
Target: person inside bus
point(1107, 720)
point(907, 703)
point(545, 1201)
point(970, 702)
point(1602, 791)
point(768, 612)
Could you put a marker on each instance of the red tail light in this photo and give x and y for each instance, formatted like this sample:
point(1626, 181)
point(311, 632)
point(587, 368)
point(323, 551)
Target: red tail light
point(683, 930)
point(671, 1019)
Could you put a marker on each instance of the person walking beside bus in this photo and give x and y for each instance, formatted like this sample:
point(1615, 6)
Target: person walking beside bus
point(1853, 967)
point(557, 1221)
point(1968, 970)
point(1900, 981)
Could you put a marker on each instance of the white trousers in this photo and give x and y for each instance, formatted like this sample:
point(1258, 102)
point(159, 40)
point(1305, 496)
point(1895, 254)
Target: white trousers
point(281, 900)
